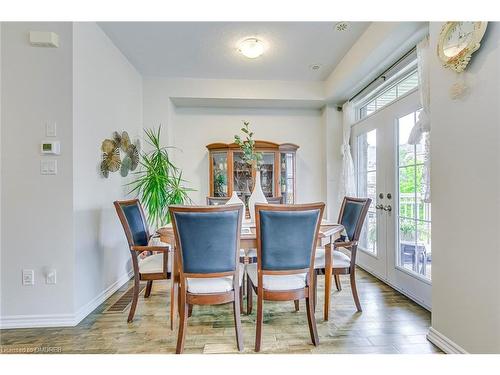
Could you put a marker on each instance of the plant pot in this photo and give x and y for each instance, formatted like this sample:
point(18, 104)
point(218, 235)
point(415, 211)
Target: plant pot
point(256, 197)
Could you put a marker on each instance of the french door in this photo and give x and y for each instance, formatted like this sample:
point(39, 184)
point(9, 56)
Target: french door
point(395, 242)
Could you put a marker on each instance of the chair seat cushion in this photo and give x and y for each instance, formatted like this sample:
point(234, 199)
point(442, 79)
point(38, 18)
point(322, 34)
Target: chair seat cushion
point(277, 282)
point(154, 263)
point(213, 284)
point(339, 259)
point(251, 253)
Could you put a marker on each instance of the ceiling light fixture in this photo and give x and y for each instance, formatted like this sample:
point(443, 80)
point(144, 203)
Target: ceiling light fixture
point(251, 48)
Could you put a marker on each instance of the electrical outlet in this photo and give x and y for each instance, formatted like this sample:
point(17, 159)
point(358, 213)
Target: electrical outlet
point(28, 277)
point(51, 277)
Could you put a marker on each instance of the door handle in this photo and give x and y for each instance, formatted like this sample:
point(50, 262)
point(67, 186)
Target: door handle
point(388, 208)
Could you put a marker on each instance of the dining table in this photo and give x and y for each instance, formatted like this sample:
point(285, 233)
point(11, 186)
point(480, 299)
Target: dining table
point(327, 235)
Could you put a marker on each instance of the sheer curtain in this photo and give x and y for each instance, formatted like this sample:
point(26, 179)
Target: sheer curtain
point(422, 127)
point(347, 181)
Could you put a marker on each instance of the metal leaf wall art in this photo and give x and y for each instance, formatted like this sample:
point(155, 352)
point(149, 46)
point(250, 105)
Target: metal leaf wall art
point(111, 160)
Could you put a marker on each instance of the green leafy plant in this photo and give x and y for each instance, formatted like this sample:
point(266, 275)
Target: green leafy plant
point(159, 182)
point(219, 182)
point(248, 146)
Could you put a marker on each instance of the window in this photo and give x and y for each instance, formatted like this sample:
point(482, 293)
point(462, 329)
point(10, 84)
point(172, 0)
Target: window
point(386, 94)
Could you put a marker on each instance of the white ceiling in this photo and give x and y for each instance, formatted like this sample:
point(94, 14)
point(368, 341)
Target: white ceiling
point(208, 49)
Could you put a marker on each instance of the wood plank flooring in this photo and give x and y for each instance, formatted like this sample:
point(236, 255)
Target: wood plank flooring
point(389, 323)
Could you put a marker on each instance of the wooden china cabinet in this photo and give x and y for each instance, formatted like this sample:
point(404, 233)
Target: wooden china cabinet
point(228, 171)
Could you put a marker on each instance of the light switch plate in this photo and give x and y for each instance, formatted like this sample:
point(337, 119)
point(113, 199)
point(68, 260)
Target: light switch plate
point(28, 277)
point(50, 129)
point(51, 277)
point(48, 167)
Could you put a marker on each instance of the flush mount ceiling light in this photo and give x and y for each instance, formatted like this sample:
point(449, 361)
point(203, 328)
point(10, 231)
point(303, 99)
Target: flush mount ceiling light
point(251, 48)
point(342, 26)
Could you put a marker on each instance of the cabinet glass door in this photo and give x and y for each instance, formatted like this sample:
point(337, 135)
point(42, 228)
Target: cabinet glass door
point(242, 177)
point(267, 173)
point(219, 168)
point(287, 178)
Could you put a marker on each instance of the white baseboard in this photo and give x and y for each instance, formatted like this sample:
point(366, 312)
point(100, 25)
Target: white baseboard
point(37, 321)
point(444, 343)
point(63, 320)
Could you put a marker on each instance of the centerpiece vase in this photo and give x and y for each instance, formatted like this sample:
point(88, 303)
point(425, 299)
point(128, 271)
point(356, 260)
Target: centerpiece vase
point(236, 200)
point(256, 197)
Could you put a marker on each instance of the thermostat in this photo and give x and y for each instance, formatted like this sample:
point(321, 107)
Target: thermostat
point(51, 148)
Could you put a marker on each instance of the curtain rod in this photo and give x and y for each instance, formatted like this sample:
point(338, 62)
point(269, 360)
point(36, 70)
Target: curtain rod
point(385, 71)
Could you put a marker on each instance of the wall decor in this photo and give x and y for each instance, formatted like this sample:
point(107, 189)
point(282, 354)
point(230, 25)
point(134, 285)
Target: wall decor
point(458, 41)
point(111, 158)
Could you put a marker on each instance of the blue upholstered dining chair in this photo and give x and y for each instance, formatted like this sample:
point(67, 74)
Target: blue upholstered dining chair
point(352, 216)
point(249, 254)
point(286, 244)
point(152, 267)
point(207, 257)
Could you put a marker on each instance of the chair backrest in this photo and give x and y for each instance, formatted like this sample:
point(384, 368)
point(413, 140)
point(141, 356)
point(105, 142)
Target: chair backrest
point(207, 238)
point(286, 235)
point(133, 221)
point(352, 215)
point(216, 201)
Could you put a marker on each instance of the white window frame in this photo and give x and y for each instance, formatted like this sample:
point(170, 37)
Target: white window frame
point(389, 84)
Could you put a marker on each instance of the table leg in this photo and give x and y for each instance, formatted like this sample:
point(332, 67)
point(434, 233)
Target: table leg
point(328, 279)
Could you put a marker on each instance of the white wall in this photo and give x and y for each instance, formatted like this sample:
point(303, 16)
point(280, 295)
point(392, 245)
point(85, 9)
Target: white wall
point(107, 97)
point(0, 157)
point(37, 221)
point(213, 110)
point(465, 143)
point(194, 128)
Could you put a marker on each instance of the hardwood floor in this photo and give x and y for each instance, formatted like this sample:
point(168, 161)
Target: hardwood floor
point(389, 323)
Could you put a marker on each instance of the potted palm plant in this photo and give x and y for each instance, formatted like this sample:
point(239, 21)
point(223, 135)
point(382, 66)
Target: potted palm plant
point(159, 182)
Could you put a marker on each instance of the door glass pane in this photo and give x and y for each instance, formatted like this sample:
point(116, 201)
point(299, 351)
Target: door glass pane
point(219, 166)
point(407, 244)
point(242, 174)
point(367, 186)
point(267, 173)
point(286, 178)
point(407, 191)
point(414, 221)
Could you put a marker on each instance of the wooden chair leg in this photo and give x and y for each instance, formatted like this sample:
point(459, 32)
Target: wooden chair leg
point(181, 335)
point(149, 286)
point(260, 318)
point(173, 300)
point(135, 297)
point(249, 296)
point(241, 289)
point(338, 285)
point(190, 311)
point(328, 279)
point(237, 318)
point(355, 291)
point(311, 319)
point(315, 290)
point(297, 305)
